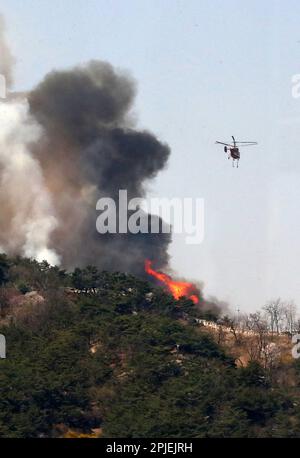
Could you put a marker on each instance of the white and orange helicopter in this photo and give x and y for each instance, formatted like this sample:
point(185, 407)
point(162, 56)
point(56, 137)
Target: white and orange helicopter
point(233, 149)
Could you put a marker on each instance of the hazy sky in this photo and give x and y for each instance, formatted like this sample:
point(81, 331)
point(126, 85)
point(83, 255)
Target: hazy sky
point(206, 70)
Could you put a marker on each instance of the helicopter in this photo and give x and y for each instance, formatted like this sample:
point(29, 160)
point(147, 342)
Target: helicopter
point(233, 149)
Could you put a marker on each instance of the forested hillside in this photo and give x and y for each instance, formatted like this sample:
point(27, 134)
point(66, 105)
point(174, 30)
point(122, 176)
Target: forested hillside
point(98, 354)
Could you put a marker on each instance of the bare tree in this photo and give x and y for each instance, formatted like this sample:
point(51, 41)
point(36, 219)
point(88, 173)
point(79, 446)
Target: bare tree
point(258, 337)
point(289, 311)
point(297, 326)
point(274, 312)
point(232, 324)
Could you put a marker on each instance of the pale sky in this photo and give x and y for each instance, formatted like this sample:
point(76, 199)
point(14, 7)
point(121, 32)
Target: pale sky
point(206, 70)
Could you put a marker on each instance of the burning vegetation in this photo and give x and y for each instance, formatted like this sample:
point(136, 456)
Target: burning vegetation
point(178, 289)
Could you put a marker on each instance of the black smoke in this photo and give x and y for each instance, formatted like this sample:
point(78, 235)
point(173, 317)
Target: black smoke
point(91, 149)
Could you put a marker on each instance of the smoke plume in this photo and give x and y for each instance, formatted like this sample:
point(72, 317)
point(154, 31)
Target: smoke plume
point(27, 214)
point(67, 143)
point(90, 150)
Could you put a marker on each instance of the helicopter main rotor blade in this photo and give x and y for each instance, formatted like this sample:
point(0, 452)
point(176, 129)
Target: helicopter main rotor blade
point(226, 144)
point(248, 143)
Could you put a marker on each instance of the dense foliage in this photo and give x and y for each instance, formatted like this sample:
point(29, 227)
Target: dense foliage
point(118, 356)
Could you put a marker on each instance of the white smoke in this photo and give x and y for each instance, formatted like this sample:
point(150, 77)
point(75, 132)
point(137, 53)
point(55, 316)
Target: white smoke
point(27, 214)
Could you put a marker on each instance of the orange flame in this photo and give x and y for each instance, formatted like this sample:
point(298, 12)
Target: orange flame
point(176, 288)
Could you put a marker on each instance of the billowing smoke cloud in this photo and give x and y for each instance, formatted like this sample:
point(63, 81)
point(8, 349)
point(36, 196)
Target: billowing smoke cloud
point(90, 150)
point(64, 145)
point(27, 214)
point(6, 59)
point(71, 143)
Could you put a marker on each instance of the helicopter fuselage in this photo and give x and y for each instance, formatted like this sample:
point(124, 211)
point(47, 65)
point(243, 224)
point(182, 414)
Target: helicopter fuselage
point(235, 153)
